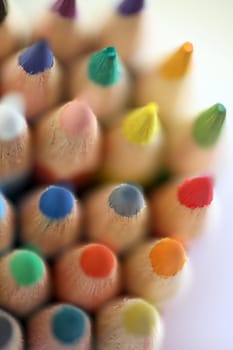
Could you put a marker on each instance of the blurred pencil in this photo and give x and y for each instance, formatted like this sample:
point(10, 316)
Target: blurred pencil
point(25, 283)
point(15, 146)
point(182, 209)
point(134, 148)
point(59, 27)
point(11, 336)
point(129, 324)
point(102, 81)
point(7, 224)
point(54, 220)
point(34, 73)
point(73, 152)
point(156, 270)
point(87, 276)
point(195, 146)
point(171, 84)
point(122, 216)
point(59, 327)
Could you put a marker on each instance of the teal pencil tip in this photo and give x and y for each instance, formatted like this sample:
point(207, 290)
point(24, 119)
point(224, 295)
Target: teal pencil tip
point(208, 125)
point(104, 67)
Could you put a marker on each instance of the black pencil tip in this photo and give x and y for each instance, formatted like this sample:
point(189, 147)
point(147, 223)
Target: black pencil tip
point(3, 10)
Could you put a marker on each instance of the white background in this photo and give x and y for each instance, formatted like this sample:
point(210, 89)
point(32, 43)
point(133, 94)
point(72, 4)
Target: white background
point(203, 320)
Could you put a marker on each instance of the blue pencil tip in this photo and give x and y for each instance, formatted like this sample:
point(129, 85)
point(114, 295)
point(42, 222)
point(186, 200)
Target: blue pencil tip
point(126, 200)
point(68, 324)
point(56, 202)
point(2, 207)
point(131, 7)
point(37, 58)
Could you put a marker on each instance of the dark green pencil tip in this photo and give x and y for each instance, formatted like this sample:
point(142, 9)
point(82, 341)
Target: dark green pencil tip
point(104, 67)
point(208, 125)
point(3, 10)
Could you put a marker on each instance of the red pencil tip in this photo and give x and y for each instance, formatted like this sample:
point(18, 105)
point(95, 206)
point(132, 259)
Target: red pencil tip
point(196, 192)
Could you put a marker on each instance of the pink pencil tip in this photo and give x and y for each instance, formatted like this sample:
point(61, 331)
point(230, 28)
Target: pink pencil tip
point(76, 117)
point(196, 192)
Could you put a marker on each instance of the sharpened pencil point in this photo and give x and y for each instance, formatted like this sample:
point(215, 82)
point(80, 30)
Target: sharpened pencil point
point(131, 7)
point(208, 125)
point(56, 203)
point(196, 192)
point(104, 67)
point(126, 200)
point(37, 58)
point(6, 332)
point(167, 257)
point(26, 268)
point(65, 8)
point(12, 123)
point(97, 261)
point(2, 207)
point(68, 324)
point(3, 10)
point(142, 125)
point(140, 318)
point(178, 64)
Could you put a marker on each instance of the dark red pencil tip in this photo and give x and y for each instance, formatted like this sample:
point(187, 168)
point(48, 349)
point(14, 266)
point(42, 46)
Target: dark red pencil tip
point(65, 8)
point(196, 192)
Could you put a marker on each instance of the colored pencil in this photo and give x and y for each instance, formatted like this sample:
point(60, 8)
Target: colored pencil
point(129, 324)
point(59, 26)
point(102, 81)
point(54, 222)
point(156, 270)
point(171, 85)
point(7, 224)
point(59, 327)
point(11, 337)
point(91, 275)
point(122, 214)
point(195, 146)
point(74, 149)
point(183, 208)
point(34, 73)
point(25, 282)
point(134, 148)
point(15, 146)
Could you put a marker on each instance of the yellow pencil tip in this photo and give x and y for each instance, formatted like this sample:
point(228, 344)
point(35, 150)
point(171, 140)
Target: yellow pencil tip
point(177, 65)
point(142, 125)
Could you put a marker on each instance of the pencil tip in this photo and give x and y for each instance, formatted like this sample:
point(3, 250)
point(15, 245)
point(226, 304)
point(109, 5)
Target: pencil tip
point(12, 123)
point(3, 10)
point(7, 332)
point(36, 58)
point(68, 324)
point(178, 64)
point(97, 260)
point(167, 257)
point(56, 203)
point(76, 117)
point(130, 7)
point(126, 200)
point(26, 267)
point(196, 192)
point(142, 125)
point(2, 207)
point(140, 318)
point(208, 125)
point(104, 67)
point(65, 8)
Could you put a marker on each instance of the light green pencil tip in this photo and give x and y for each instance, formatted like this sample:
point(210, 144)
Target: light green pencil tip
point(208, 125)
point(26, 268)
point(104, 67)
point(142, 125)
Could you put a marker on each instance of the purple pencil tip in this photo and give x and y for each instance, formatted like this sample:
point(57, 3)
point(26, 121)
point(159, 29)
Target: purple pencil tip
point(131, 7)
point(65, 8)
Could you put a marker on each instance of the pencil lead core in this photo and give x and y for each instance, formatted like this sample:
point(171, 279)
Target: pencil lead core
point(131, 7)
point(65, 8)
point(3, 10)
point(12, 123)
point(6, 332)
